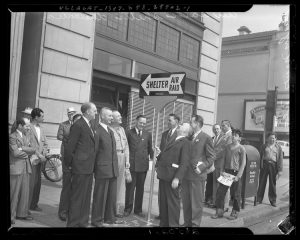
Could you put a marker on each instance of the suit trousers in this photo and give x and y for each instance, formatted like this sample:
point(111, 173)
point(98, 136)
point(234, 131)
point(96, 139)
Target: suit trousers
point(269, 169)
point(104, 200)
point(137, 186)
point(80, 200)
point(19, 195)
point(192, 195)
point(235, 193)
point(169, 205)
point(65, 193)
point(209, 187)
point(121, 181)
point(35, 186)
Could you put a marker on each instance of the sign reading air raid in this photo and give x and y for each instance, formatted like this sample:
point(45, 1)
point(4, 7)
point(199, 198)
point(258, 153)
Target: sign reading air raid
point(162, 84)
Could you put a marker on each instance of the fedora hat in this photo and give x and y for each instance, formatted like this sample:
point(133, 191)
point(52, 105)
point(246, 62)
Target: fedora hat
point(70, 110)
point(27, 110)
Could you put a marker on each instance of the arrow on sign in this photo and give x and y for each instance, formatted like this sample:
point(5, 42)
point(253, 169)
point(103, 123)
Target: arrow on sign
point(170, 84)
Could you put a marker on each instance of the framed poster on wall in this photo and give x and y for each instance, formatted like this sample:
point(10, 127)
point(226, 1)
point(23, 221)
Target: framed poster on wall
point(254, 115)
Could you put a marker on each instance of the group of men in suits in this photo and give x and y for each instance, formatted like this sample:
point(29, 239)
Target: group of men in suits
point(92, 151)
point(28, 148)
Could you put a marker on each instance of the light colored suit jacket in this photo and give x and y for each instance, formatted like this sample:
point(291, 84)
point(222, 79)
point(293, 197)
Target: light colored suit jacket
point(40, 146)
point(63, 134)
point(219, 147)
point(18, 159)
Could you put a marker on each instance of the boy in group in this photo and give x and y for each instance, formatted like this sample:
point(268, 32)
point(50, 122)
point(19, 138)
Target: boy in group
point(234, 164)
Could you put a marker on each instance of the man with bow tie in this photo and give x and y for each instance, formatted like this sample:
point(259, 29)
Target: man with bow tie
point(171, 168)
point(202, 158)
point(80, 154)
point(140, 149)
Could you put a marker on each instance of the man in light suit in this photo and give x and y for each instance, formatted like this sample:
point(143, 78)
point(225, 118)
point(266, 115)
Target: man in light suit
point(209, 181)
point(20, 170)
point(63, 135)
point(106, 172)
point(167, 137)
point(80, 154)
point(202, 158)
point(38, 141)
point(219, 146)
point(171, 168)
point(140, 148)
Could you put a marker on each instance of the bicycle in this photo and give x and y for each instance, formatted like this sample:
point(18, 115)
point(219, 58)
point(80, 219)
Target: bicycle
point(52, 167)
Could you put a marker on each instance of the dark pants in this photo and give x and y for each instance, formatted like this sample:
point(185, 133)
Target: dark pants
point(104, 200)
point(209, 188)
point(35, 186)
point(169, 205)
point(80, 200)
point(235, 192)
point(137, 185)
point(269, 169)
point(64, 201)
point(192, 195)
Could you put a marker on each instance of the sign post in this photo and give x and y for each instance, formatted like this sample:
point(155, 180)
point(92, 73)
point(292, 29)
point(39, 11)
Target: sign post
point(160, 89)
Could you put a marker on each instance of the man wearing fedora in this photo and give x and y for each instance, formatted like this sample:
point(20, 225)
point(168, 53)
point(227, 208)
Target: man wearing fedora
point(63, 136)
point(27, 113)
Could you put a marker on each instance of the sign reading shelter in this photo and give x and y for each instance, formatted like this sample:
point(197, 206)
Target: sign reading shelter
point(255, 115)
point(162, 84)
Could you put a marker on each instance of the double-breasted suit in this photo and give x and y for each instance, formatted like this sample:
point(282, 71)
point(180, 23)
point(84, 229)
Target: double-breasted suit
point(80, 155)
point(193, 183)
point(63, 135)
point(172, 164)
point(106, 171)
point(41, 146)
point(20, 168)
point(140, 148)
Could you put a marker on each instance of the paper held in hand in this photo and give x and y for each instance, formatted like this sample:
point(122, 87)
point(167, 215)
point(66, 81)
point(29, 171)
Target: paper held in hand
point(34, 159)
point(226, 179)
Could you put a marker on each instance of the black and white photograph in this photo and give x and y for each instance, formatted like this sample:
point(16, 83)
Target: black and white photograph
point(156, 116)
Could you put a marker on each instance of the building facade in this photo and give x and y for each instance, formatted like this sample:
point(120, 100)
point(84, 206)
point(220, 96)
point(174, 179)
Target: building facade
point(66, 59)
point(252, 64)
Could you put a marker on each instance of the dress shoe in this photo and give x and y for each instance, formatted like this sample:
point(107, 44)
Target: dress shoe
point(62, 217)
point(140, 214)
point(29, 218)
point(273, 204)
point(126, 214)
point(36, 209)
point(118, 215)
point(157, 217)
point(97, 224)
point(219, 213)
point(233, 215)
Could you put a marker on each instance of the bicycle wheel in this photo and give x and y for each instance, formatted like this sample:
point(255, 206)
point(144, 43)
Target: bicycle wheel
point(52, 169)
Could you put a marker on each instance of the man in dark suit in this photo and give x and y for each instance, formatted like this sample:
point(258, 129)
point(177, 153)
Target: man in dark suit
point(171, 168)
point(63, 135)
point(202, 158)
point(38, 141)
point(140, 148)
point(167, 137)
point(106, 173)
point(80, 156)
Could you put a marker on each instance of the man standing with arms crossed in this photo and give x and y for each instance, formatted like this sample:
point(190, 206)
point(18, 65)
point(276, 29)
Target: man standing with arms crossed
point(63, 135)
point(80, 156)
point(202, 158)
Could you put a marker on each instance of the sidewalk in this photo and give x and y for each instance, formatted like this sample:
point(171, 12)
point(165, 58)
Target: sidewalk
point(50, 193)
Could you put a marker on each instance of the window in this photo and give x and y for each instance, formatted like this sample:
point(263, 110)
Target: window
point(142, 31)
point(167, 42)
point(189, 51)
point(141, 68)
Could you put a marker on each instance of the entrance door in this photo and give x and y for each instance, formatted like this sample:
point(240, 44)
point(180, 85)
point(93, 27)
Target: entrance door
point(110, 94)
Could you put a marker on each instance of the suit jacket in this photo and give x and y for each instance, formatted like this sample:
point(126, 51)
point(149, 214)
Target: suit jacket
point(139, 150)
point(40, 146)
point(18, 159)
point(177, 152)
point(106, 163)
point(63, 134)
point(80, 151)
point(202, 150)
point(219, 147)
point(163, 141)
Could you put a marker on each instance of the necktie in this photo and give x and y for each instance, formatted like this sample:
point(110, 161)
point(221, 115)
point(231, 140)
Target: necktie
point(169, 135)
point(90, 125)
point(140, 133)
